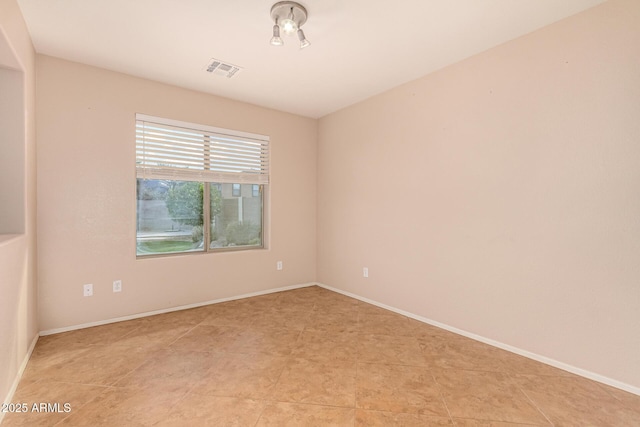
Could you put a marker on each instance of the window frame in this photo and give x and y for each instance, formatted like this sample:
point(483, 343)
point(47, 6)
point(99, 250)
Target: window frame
point(260, 181)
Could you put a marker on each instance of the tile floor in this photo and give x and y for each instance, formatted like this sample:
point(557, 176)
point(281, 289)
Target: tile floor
point(308, 357)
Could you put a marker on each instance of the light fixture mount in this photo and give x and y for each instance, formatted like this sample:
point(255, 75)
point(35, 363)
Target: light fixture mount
point(285, 10)
point(288, 17)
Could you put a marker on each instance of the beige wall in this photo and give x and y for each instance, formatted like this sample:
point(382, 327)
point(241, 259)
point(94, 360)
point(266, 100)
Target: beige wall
point(86, 198)
point(500, 195)
point(18, 317)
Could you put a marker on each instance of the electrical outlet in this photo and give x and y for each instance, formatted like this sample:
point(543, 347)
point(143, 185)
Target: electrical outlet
point(365, 272)
point(87, 290)
point(279, 265)
point(117, 286)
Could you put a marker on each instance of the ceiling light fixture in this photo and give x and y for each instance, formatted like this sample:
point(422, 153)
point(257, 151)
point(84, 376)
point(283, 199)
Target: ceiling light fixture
point(289, 17)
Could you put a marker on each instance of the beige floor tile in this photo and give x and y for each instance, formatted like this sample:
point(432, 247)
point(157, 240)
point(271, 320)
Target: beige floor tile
point(577, 402)
point(208, 338)
point(322, 294)
point(196, 410)
point(333, 321)
point(457, 352)
point(390, 349)
point(249, 376)
point(265, 339)
point(285, 317)
point(97, 335)
point(124, 407)
point(398, 388)
point(97, 365)
point(44, 362)
point(154, 335)
point(169, 370)
point(461, 353)
point(305, 381)
point(484, 423)
point(629, 399)
point(302, 299)
point(385, 324)
point(490, 396)
point(365, 308)
point(256, 303)
point(297, 415)
point(335, 303)
point(75, 395)
point(391, 419)
point(230, 316)
point(288, 358)
point(516, 364)
point(426, 331)
point(326, 347)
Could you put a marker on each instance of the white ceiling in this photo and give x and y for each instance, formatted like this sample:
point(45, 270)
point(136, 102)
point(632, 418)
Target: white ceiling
point(358, 47)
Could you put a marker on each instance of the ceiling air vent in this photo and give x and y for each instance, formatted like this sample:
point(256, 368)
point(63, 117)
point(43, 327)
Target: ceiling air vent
point(220, 68)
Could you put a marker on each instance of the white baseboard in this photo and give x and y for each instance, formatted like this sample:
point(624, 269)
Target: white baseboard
point(18, 377)
point(169, 310)
point(543, 359)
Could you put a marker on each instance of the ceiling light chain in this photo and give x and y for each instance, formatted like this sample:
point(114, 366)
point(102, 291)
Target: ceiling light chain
point(289, 17)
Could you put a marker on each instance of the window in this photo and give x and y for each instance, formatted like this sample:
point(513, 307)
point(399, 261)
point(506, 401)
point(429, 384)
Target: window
point(191, 186)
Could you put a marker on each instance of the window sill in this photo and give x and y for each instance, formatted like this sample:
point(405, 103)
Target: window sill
point(226, 250)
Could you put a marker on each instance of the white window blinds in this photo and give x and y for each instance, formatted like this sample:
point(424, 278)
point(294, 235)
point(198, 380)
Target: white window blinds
point(169, 149)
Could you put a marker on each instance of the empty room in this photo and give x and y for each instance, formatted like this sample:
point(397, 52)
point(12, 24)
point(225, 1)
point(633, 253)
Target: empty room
point(320, 213)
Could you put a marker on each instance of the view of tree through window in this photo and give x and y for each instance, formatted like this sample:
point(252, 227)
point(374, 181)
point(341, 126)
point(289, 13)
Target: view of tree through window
point(168, 214)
